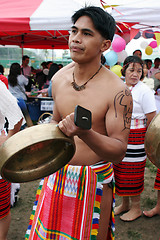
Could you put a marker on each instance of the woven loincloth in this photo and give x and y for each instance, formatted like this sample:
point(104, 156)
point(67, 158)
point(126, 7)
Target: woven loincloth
point(129, 174)
point(157, 180)
point(5, 192)
point(68, 205)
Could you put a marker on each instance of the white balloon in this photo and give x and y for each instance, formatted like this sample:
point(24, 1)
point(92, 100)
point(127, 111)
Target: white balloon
point(144, 44)
point(122, 56)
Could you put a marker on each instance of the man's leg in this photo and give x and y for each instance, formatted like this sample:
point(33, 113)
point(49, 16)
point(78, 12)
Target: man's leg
point(106, 206)
point(4, 226)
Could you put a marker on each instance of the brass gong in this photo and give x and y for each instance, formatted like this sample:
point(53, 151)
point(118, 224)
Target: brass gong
point(152, 141)
point(35, 152)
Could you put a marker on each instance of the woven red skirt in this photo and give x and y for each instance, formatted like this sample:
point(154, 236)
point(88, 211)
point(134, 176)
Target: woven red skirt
point(129, 178)
point(157, 180)
point(129, 174)
point(5, 194)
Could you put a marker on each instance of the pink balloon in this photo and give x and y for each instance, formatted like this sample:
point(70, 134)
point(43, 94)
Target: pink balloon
point(118, 44)
point(153, 44)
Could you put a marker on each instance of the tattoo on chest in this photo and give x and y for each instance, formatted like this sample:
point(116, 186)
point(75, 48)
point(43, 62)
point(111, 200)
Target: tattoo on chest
point(122, 100)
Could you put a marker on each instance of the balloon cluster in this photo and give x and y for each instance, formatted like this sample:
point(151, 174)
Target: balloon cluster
point(117, 54)
point(153, 44)
point(148, 47)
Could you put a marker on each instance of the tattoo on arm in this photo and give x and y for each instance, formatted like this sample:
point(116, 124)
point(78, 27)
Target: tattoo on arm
point(121, 99)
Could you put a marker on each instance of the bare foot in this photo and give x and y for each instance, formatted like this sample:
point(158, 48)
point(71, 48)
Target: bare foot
point(152, 212)
point(131, 215)
point(120, 209)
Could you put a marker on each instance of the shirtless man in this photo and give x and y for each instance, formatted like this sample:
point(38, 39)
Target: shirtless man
point(102, 96)
point(105, 95)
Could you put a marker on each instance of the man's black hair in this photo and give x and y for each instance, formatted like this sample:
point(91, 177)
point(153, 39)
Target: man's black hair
point(103, 22)
point(24, 57)
point(137, 50)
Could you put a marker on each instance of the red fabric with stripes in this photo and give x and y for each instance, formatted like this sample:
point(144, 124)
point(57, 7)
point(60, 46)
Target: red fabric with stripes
point(136, 136)
point(157, 180)
point(129, 178)
point(5, 194)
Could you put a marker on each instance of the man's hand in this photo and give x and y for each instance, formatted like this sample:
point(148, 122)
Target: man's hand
point(68, 127)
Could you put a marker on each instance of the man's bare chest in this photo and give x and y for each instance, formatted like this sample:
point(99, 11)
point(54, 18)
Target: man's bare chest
point(95, 102)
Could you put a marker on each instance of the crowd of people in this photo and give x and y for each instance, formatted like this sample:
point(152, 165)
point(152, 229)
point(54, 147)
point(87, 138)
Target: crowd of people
point(78, 200)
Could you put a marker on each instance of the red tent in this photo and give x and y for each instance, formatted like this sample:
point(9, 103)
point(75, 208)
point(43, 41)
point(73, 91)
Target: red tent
point(36, 24)
point(45, 23)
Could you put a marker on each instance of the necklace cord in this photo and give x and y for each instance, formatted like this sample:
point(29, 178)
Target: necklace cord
point(81, 87)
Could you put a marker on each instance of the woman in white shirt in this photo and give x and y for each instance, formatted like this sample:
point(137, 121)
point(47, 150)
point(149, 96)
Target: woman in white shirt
point(17, 81)
point(129, 174)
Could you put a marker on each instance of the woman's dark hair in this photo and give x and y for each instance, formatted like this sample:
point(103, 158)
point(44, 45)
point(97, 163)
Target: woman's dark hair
point(52, 70)
point(131, 59)
point(15, 70)
point(1, 69)
point(103, 22)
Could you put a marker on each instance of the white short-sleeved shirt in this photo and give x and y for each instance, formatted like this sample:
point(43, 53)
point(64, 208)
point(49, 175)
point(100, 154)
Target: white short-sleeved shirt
point(143, 101)
point(8, 108)
point(19, 90)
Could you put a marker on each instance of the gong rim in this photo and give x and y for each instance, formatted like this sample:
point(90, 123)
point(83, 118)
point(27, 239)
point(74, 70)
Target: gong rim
point(34, 153)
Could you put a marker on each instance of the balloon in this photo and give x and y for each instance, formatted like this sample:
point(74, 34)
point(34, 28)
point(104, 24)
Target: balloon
point(149, 33)
point(117, 70)
point(122, 56)
point(143, 44)
point(148, 50)
point(153, 44)
point(118, 44)
point(137, 35)
point(111, 58)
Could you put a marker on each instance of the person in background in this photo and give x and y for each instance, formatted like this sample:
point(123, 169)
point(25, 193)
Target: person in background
point(129, 174)
point(155, 68)
point(156, 79)
point(8, 109)
point(138, 53)
point(48, 64)
point(26, 71)
point(148, 81)
point(60, 66)
point(2, 77)
point(74, 211)
point(41, 76)
point(149, 65)
point(17, 82)
point(53, 69)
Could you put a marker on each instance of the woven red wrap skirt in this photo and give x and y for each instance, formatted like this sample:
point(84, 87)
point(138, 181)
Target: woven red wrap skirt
point(5, 194)
point(157, 180)
point(129, 174)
